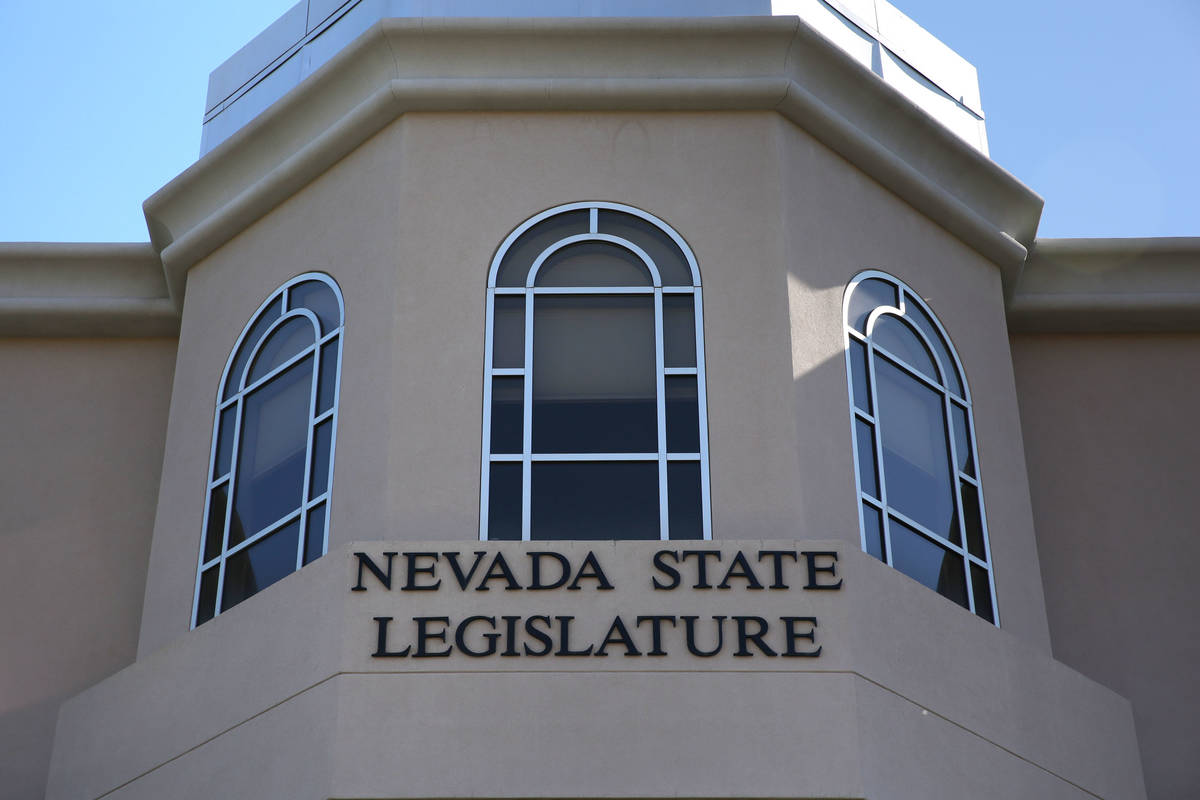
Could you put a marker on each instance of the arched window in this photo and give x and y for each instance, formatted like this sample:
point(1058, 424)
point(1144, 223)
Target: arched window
point(920, 497)
point(594, 423)
point(271, 468)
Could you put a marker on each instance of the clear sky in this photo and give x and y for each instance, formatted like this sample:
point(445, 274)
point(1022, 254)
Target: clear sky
point(1095, 104)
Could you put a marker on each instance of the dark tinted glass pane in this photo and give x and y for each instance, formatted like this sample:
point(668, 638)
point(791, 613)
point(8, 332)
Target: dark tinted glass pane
point(683, 414)
point(915, 314)
point(873, 531)
point(508, 331)
point(238, 367)
point(270, 475)
point(864, 440)
point(685, 513)
point(916, 462)
point(962, 442)
point(207, 607)
point(595, 500)
point(508, 410)
point(319, 477)
point(860, 386)
point(981, 589)
point(327, 385)
point(972, 519)
point(594, 264)
point(224, 442)
point(666, 255)
point(318, 298)
point(284, 342)
point(314, 535)
point(866, 297)
point(929, 563)
point(260, 565)
point(504, 502)
point(594, 375)
point(679, 330)
point(893, 335)
point(530, 244)
point(215, 531)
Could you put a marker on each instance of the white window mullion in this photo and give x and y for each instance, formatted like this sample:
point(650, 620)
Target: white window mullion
point(485, 468)
point(527, 423)
point(702, 408)
point(660, 391)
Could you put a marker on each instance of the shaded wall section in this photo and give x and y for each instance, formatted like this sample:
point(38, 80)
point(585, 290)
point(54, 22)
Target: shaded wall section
point(82, 436)
point(1113, 457)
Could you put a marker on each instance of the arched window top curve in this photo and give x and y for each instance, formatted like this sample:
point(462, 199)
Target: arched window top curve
point(916, 467)
point(659, 248)
point(873, 295)
point(313, 296)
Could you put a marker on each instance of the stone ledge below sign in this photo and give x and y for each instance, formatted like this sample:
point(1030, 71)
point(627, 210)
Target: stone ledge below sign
point(897, 687)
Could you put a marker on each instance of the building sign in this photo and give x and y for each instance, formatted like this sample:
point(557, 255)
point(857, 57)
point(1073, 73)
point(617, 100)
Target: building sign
point(614, 599)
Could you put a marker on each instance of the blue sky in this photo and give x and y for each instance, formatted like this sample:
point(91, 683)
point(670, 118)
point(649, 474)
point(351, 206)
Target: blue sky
point(1094, 104)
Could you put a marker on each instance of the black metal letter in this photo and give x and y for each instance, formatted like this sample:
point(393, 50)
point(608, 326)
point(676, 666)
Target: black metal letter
point(690, 622)
point(777, 557)
point(702, 565)
point(666, 569)
point(535, 556)
point(593, 571)
point(424, 635)
point(811, 557)
point(743, 571)
point(790, 636)
point(656, 632)
point(618, 634)
point(413, 569)
point(745, 636)
point(381, 650)
point(463, 580)
point(460, 639)
point(384, 577)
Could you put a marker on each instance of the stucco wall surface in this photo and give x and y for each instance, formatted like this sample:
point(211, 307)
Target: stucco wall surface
point(83, 446)
point(1112, 469)
point(909, 696)
point(408, 224)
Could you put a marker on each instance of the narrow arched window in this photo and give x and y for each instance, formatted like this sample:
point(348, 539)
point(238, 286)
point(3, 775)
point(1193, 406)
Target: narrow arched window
point(271, 468)
point(920, 497)
point(594, 423)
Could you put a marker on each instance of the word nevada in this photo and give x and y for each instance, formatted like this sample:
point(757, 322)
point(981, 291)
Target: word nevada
point(656, 632)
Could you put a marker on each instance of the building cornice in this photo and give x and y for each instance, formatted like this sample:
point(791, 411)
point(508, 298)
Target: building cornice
point(775, 64)
point(1109, 285)
point(85, 290)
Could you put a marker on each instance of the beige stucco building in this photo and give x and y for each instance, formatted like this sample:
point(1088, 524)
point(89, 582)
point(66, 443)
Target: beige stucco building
point(858, 370)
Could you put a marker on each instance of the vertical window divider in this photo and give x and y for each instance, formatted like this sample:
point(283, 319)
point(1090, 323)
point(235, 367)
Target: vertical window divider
point(485, 463)
point(702, 409)
point(660, 392)
point(308, 452)
point(527, 422)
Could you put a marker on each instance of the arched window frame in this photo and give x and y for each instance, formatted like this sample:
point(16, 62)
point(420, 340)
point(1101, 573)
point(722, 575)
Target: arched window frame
point(529, 291)
point(865, 414)
point(326, 354)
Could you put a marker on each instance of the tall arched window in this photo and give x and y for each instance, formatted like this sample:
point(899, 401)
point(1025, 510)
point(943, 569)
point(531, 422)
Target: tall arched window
point(920, 497)
point(594, 422)
point(271, 468)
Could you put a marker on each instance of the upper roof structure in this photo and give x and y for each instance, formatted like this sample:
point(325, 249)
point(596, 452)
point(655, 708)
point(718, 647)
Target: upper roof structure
point(873, 32)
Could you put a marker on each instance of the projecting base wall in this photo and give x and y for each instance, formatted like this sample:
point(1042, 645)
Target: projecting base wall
point(877, 687)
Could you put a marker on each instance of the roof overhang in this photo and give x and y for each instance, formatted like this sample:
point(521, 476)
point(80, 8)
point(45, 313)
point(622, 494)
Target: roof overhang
point(778, 64)
point(1109, 285)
